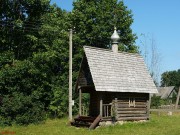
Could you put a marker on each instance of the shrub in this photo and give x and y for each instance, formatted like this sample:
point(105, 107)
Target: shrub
point(20, 109)
point(155, 101)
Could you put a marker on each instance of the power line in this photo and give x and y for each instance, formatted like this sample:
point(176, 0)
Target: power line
point(24, 23)
point(11, 28)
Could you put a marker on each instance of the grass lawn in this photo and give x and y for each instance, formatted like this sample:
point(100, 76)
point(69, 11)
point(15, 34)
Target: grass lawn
point(158, 125)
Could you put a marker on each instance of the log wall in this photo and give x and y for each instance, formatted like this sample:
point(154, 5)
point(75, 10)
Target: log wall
point(130, 106)
point(131, 109)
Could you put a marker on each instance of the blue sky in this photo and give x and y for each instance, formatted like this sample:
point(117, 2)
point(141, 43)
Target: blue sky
point(158, 20)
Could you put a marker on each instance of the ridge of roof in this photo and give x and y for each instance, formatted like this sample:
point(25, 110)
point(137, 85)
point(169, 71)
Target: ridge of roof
point(109, 50)
point(166, 87)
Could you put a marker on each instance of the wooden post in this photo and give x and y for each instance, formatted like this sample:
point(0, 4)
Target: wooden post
point(80, 102)
point(177, 100)
point(115, 108)
point(148, 105)
point(70, 75)
point(104, 109)
point(107, 110)
point(101, 107)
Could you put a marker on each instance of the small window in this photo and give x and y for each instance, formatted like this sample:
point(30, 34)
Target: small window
point(132, 102)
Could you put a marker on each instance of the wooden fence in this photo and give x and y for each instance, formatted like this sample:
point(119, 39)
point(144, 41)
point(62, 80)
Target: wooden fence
point(172, 106)
point(107, 110)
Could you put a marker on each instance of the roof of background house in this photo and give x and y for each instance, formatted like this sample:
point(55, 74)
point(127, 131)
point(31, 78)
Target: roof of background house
point(118, 72)
point(164, 92)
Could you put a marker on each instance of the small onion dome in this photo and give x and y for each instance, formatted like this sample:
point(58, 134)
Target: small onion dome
point(115, 37)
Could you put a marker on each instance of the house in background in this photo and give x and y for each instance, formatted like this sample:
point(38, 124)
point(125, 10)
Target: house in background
point(166, 92)
point(118, 83)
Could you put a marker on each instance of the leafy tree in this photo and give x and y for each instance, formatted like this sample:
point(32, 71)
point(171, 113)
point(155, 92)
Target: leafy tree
point(171, 78)
point(53, 59)
point(25, 90)
point(39, 71)
point(95, 20)
point(19, 24)
point(21, 95)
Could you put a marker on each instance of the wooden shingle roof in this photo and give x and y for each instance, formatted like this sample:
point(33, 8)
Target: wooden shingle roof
point(118, 72)
point(165, 92)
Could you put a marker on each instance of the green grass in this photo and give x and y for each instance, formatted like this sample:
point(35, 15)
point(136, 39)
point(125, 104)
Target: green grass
point(158, 125)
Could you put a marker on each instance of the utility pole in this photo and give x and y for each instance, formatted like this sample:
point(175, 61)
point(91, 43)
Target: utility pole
point(177, 100)
point(70, 75)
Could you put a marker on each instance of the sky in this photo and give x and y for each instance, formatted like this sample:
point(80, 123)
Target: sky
point(159, 21)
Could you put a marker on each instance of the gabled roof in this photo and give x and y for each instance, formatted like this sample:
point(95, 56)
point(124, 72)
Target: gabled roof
point(118, 72)
point(165, 92)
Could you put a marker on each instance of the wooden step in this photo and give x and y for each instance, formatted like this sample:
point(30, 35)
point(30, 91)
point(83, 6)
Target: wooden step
point(80, 124)
point(85, 119)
